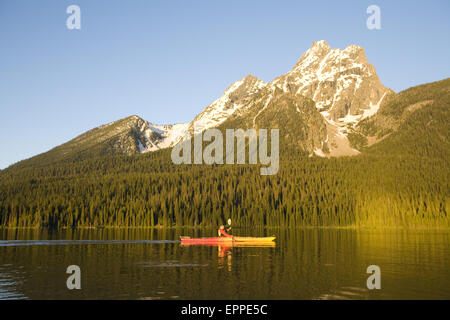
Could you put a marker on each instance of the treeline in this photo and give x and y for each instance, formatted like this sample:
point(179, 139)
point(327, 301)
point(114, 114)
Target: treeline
point(149, 191)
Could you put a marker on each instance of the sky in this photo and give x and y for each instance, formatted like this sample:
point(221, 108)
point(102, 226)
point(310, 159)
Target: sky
point(165, 61)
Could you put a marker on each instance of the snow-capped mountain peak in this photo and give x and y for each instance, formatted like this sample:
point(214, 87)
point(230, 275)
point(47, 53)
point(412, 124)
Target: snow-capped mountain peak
point(234, 98)
point(342, 83)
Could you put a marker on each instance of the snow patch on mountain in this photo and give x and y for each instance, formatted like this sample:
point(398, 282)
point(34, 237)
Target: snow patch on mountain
point(162, 136)
point(373, 108)
point(319, 152)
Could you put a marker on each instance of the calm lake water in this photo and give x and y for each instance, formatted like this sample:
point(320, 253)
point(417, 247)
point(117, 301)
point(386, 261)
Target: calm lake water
point(149, 264)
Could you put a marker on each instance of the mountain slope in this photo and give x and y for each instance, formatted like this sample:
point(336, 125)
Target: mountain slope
point(130, 135)
point(410, 122)
point(300, 124)
point(234, 98)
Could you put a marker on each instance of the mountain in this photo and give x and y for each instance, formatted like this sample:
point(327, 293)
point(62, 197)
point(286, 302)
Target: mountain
point(317, 106)
point(342, 83)
point(344, 86)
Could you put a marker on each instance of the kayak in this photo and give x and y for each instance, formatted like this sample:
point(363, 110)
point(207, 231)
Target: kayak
point(231, 244)
point(226, 240)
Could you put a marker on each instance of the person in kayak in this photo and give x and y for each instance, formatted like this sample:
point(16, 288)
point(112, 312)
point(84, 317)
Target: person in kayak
point(225, 231)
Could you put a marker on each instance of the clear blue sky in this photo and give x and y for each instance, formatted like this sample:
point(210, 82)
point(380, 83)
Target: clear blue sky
point(167, 60)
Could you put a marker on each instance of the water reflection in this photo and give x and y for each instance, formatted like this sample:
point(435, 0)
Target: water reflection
point(224, 254)
point(225, 251)
point(147, 263)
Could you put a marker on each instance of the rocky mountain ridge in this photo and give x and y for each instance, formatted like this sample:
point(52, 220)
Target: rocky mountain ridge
point(316, 106)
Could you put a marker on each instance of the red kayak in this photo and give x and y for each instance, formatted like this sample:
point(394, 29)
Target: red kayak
point(226, 240)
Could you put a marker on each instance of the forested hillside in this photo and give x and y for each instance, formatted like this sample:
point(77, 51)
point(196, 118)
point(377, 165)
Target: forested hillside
point(419, 117)
point(402, 180)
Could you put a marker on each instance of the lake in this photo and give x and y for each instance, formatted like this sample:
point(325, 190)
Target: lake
point(310, 263)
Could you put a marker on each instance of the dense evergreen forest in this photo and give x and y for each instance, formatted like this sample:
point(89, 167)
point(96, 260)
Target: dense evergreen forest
point(401, 181)
point(150, 191)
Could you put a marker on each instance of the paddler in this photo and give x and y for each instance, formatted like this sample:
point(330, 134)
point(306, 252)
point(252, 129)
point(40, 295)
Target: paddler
point(225, 231)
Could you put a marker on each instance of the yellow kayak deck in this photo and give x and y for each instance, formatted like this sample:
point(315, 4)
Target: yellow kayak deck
point(254, 239)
